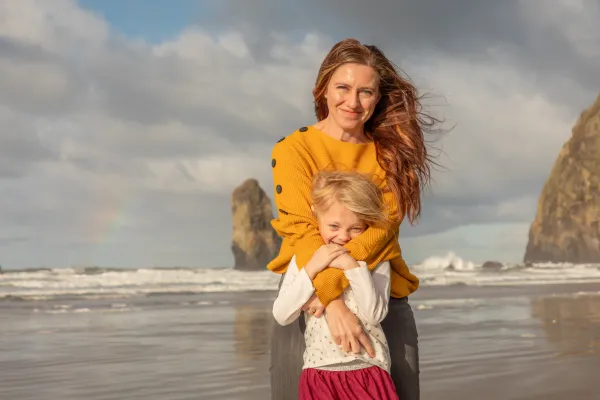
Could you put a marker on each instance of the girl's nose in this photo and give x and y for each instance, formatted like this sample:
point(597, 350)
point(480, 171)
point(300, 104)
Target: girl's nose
point(344, 237)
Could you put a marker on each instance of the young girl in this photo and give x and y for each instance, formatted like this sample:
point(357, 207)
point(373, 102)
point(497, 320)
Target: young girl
point(344, 204)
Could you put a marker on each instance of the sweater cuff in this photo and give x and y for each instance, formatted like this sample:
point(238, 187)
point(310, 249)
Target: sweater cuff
point(357, 251)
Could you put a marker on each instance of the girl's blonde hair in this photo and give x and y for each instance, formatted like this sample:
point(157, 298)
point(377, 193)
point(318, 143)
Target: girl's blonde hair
point(353, 190)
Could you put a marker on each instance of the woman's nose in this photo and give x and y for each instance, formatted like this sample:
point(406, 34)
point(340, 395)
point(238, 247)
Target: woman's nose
point(352, 99)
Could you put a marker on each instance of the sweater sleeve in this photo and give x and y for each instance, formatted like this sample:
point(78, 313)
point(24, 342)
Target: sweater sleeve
point(292, 178)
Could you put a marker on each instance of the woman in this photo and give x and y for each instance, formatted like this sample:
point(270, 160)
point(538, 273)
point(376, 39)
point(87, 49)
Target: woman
point(370, 121)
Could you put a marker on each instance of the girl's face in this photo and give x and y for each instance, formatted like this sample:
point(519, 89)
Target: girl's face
point(339, 225)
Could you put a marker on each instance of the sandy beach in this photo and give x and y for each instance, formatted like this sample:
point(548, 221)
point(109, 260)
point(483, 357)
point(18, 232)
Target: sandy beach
point(524, 342)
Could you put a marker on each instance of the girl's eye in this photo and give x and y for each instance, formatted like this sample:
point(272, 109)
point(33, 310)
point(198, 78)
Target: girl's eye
point(368, 92)
point(357, 229)
point(333, 226)
point(342, 87)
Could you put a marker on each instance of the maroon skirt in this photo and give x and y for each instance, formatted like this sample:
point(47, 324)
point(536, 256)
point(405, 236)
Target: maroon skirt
point(371, 383)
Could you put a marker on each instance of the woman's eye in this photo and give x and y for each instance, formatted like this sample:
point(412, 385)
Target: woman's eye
point(368, 92)
point(342, 87)
point(333, 226)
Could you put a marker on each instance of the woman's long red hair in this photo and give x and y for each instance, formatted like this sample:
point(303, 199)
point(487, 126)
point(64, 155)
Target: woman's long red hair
point(396, 127)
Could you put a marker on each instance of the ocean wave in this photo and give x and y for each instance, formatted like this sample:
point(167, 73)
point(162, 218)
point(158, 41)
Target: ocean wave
point(98, 282)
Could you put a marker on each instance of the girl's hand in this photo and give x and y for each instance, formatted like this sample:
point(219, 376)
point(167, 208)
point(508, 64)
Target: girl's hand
point(322, 258)
point(314, 307)
point(344, 262)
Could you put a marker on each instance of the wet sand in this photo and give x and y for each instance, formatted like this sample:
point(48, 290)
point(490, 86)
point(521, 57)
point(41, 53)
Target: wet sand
point(530, 342)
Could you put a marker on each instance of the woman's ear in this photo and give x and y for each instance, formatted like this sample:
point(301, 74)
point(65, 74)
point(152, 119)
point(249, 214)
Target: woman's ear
point(312, 208)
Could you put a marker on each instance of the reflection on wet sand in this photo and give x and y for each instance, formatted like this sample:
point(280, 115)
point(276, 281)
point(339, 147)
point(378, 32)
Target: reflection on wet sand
point(571, 323)
point(252, 330)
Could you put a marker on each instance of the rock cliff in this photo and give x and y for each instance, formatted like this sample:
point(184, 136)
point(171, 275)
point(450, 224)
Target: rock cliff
point(255, 242)
point(567, 225)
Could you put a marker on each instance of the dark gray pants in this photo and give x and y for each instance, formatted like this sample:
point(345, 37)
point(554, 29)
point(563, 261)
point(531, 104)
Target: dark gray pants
point(287, 347)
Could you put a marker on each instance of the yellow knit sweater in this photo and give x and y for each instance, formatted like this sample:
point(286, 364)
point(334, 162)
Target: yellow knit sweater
point(296, 159)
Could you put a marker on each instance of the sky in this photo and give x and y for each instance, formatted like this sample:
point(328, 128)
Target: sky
point(125, 126)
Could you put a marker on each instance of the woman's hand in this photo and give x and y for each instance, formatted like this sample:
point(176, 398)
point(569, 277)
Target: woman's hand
point(314, 307)
point(346, 330)
point(322, 258)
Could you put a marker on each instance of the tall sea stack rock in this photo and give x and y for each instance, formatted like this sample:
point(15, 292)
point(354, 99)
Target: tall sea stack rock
point(255, 242)
point(567, 225)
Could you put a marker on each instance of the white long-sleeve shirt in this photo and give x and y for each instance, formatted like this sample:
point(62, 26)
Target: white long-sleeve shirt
point(367, 297)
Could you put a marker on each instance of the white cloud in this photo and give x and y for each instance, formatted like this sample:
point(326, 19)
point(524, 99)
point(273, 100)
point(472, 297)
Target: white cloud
point(476, 243)
point(577, 20)
point(213, 174)
point(94, 122)
point(505, 132)
point(55, 26)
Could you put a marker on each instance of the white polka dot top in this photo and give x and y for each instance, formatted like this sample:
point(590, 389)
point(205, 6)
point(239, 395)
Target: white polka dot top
point(367, 297)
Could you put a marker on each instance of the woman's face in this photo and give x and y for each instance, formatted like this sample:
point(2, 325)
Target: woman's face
point(352, 95)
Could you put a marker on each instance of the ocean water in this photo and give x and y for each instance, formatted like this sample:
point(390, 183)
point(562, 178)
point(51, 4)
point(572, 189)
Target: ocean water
point(496, 343)
point(97, 282)
point(511, 333)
